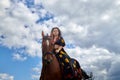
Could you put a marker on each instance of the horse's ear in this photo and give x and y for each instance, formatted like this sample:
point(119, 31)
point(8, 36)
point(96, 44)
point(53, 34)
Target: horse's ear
point(50, 34)
point(47, 34)
point(42, 33)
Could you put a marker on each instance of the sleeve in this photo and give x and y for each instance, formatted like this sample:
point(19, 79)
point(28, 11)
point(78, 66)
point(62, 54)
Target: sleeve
point(60, 42)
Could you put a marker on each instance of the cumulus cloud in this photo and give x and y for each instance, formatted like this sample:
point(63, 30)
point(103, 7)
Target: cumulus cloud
point(90, 28)
point(4, 76)
point(114, 71)
point(17, 29)
point(35, 77)
point(36, 71)
point(102, 63)
point(19, 57)
point(100, 17)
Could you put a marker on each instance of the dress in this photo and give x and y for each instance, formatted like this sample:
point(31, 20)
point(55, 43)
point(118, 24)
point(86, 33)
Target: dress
point(63, 59)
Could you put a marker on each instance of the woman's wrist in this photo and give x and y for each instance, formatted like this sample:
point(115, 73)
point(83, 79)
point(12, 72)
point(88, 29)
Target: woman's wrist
point(57, 50)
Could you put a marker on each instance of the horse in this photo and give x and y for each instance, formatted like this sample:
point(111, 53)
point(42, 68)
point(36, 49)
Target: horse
point(51, 69)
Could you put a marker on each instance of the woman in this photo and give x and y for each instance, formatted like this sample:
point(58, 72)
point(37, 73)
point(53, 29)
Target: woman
point(60, 53)
point(62, 56)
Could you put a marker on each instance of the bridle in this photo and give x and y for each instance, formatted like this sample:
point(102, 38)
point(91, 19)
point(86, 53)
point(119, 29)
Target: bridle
point(47, 47)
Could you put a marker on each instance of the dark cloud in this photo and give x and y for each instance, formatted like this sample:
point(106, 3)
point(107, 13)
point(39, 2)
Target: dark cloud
point(114, 71)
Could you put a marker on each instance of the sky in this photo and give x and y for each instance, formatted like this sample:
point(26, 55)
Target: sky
point(90, 29)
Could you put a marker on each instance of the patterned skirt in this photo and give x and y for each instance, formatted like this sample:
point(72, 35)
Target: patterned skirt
point(64, 60)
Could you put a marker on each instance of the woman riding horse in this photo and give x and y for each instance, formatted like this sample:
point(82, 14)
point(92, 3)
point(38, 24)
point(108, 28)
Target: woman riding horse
point(60, 53)
point(50, 65)
point(54, 44)
point(62, 56)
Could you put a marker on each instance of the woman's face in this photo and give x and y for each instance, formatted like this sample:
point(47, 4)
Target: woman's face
point(55, 32)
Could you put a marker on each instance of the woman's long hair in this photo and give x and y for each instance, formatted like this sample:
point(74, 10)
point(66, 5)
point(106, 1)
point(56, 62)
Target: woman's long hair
point(59, 32)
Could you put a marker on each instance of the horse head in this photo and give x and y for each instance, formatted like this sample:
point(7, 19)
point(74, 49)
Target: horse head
point(47, 48)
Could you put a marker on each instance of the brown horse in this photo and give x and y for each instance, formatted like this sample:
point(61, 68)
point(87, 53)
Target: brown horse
point(51, 68)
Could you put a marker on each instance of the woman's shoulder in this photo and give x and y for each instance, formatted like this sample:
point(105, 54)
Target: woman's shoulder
point(61, 38)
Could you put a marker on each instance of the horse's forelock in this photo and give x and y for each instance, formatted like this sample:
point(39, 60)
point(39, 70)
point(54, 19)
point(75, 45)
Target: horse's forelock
point(46, 43)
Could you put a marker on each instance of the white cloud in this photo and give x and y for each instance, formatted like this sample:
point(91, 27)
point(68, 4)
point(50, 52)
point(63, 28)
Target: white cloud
point(83, 23)
point(35, 77)
point(117, 2)
point(105, 17)
point(101, 62)
point(37, 1)
point(19, 57)
point(114, 71)
point(18, 29)
point(4, 76)
point(97, 60)
point(24, 14)
point(37, 71)
point(5, 3)
point(86, 23)
point(99, 16)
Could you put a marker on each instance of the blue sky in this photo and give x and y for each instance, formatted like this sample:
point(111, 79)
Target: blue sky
point(16, 68)
point(90, 29)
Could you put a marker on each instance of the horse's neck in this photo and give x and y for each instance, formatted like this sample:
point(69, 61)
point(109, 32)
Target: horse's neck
point(52, 71)
point(53, 66)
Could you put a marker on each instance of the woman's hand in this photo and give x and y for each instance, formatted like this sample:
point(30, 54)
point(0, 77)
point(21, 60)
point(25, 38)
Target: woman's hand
point(57, 51)
point(56, 46)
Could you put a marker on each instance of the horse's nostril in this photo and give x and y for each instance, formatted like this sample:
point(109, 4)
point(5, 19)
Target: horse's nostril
point(49, 61)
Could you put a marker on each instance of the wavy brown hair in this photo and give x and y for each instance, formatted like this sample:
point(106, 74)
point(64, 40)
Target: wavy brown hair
point(58, 31)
